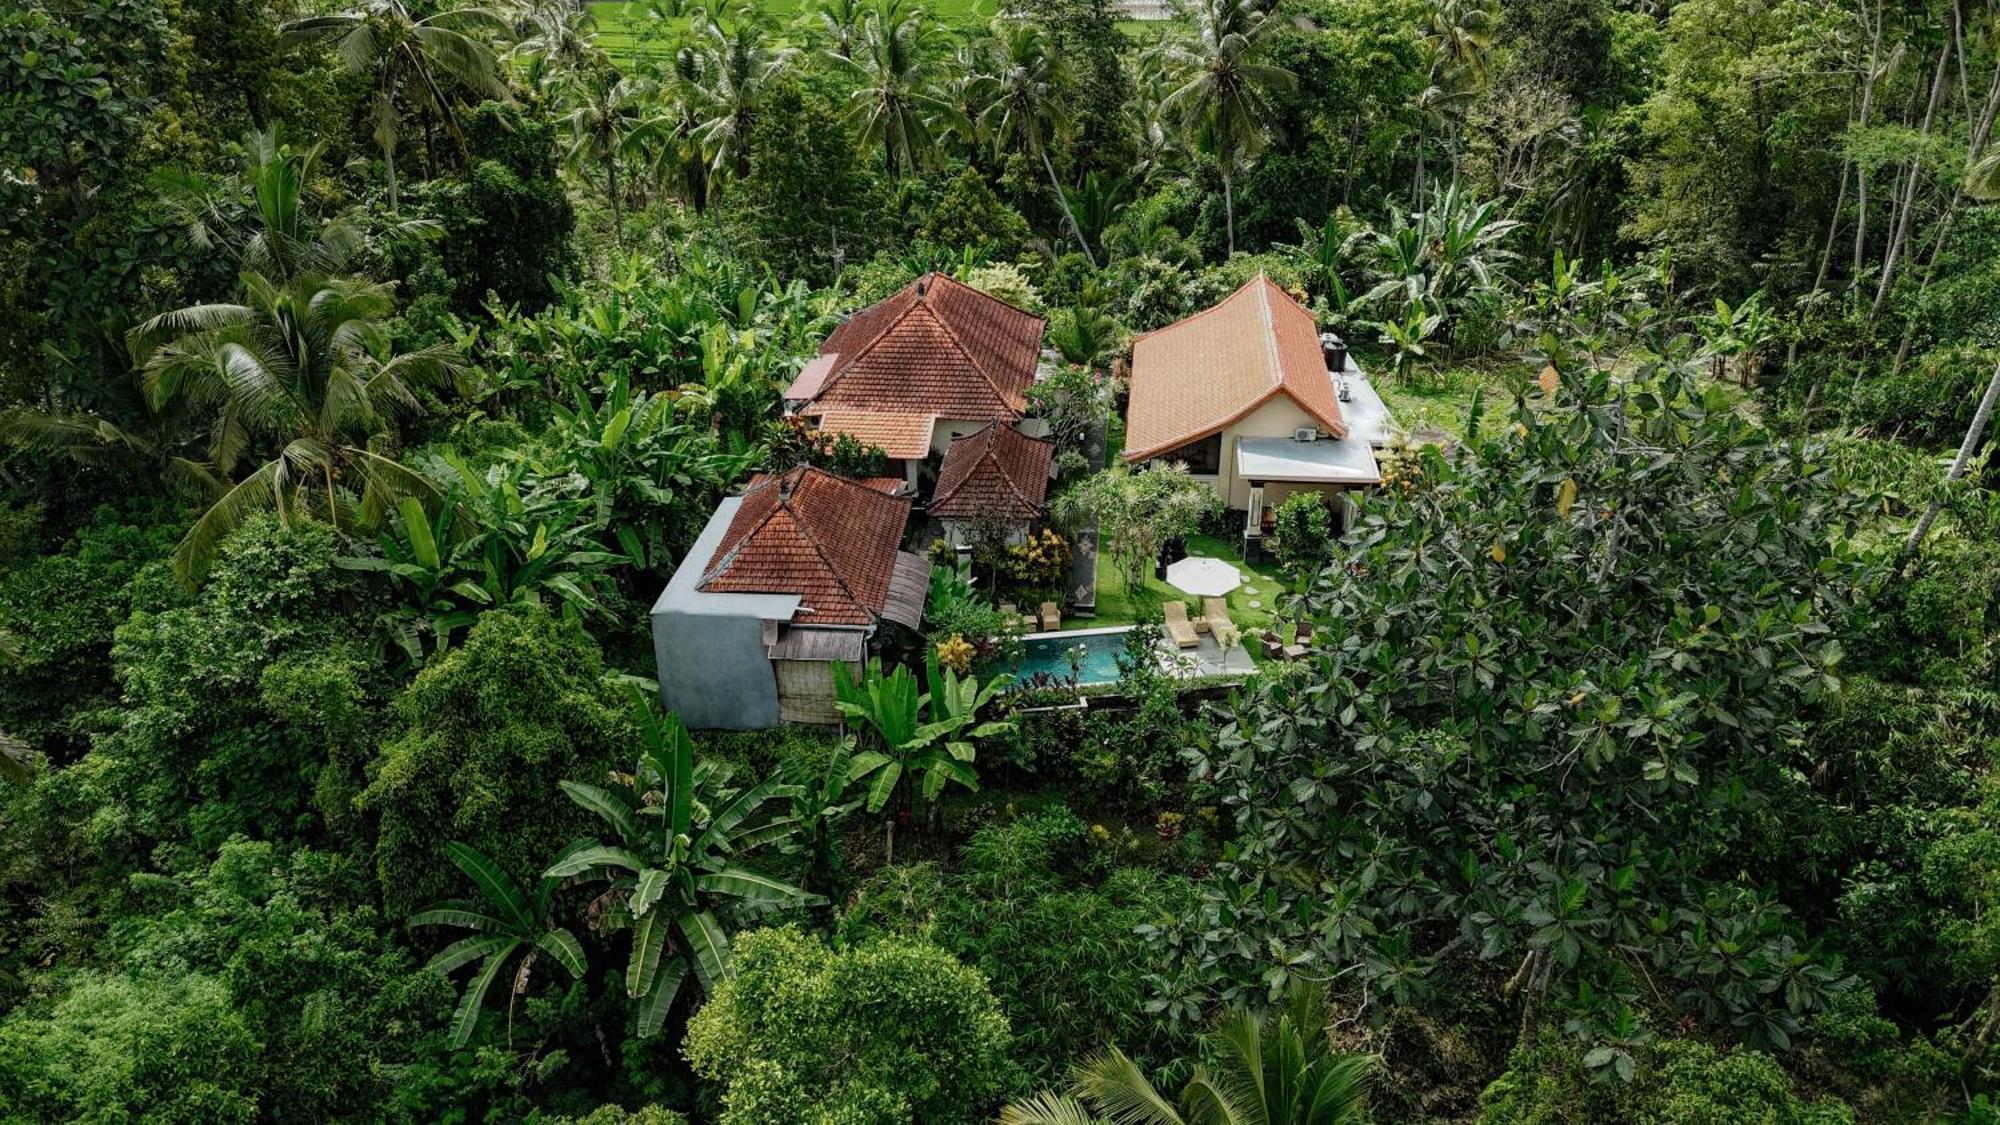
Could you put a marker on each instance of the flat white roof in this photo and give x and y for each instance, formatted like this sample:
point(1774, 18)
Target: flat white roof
point(1366, 415)
point(1350, 460)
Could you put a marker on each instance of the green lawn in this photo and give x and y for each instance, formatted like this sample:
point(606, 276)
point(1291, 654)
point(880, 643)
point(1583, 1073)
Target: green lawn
point(1119, 604)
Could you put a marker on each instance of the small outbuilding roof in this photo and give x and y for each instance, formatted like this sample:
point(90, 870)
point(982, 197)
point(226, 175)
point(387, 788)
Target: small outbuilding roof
point(1196, 376)
point(937, 346)
point(831, 541)
point(906, 437)
point(995, 471)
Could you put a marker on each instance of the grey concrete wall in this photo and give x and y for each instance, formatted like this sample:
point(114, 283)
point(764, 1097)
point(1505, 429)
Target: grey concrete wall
point(713, 671)
point(709, 648)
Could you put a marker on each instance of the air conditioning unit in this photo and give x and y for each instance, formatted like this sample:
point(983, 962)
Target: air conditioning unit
point(1305, 433)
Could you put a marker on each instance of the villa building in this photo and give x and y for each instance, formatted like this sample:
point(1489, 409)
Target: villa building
point(1249, 395)
point(936, 360)
point(800, 571)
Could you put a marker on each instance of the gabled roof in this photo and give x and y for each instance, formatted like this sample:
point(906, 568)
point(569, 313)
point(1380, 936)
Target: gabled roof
point(1196, 376)
point(937, 346)
point(906, 437)
point(997, 471)
point(829, 540)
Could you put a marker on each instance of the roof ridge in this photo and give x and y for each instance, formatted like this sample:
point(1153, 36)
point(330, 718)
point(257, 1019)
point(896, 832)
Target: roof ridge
point(729, 557)
point(958, 342)
point(1270, 331)
point(826, 560)
point(987, 430)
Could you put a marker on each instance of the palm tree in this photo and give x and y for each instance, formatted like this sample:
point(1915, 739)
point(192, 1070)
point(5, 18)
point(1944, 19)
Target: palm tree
point(303, 368)
point(1026, 106)
point(1281, 1075)
point(1224, 96)
point(739, 68)
point(897, 100)
point(558, 38)
point(602, 125)
point(841, 21)
point(411, 59)
point(676, 870)
point(506, 924)
point(14, 754)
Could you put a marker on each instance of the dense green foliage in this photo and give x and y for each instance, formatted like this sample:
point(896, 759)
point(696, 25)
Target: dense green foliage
point(368, 366)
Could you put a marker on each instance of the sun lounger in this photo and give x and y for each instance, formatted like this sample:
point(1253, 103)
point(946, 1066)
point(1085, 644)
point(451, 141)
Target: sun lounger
point(1216, 612)
point(1179, 628)
point(1051, 617)
point(1274, 649)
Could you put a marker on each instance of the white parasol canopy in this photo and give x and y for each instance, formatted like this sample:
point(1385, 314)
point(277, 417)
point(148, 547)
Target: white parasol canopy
point(1203, 577)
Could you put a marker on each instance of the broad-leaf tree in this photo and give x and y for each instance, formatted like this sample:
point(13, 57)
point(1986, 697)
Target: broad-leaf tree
point(675, 862)
point(506, 923)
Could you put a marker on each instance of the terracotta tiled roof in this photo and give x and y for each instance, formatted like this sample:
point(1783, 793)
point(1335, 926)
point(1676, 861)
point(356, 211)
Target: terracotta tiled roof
point(1194, 377)
point(829, 540)
point(997, 471)
point(903, 436)
point(937, 346)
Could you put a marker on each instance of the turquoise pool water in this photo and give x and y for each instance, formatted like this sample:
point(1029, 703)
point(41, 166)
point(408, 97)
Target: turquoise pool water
point(1050, 654)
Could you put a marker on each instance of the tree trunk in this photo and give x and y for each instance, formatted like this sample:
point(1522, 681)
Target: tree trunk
point(1900, 231)
point(1861, 122)
point(1966, 448)
point(1229, 211)
point(389, 164)
point(611, 178)
point(1982, 130)
point(1062, 200)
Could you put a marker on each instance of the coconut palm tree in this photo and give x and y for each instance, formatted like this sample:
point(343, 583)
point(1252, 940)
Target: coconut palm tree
point(739, 68)
point(558, 41)
point(896, 101)
point(1025, 104)
point(1274, 1071)
point(410, 61)
point(300, 372)
point(841, 21)
point(1224, 93)
point(506, 923)
point(602, 126)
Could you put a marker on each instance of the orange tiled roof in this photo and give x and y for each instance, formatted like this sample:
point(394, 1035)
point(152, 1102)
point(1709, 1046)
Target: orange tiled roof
point(829, 540)
point(1196, 376)
point(996, 471)
point(937, 346)
point(903, 436)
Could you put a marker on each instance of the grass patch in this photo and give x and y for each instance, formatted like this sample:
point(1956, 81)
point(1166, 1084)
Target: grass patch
point(627, 31)
point(1121, 604)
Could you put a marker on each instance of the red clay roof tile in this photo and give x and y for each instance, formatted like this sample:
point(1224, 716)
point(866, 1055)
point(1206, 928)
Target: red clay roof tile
point(829, 540)
point(996, 471)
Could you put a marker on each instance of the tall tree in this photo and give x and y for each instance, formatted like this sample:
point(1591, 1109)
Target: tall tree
point(1025, 107)
point(411, 60)
point(741, 64)
point(897, 102)
point(603, 124)
point(1224, 92)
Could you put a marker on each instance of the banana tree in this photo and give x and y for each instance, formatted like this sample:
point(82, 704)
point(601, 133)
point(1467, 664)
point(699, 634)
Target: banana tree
point(675, 871)
point(507, 924)
point(928, 735)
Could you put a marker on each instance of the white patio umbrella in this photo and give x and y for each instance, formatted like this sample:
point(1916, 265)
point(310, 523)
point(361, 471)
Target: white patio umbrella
point(1203, 577)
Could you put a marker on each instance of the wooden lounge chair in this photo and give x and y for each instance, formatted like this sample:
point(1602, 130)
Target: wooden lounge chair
point(1296, 652)
point(1305, 632)
point(1179, 627)
point(1215, 611)
point(1274, 648)
point(1051, 617)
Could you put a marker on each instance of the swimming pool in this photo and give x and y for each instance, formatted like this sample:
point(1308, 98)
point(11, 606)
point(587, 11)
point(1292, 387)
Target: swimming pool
point(1049, 652)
